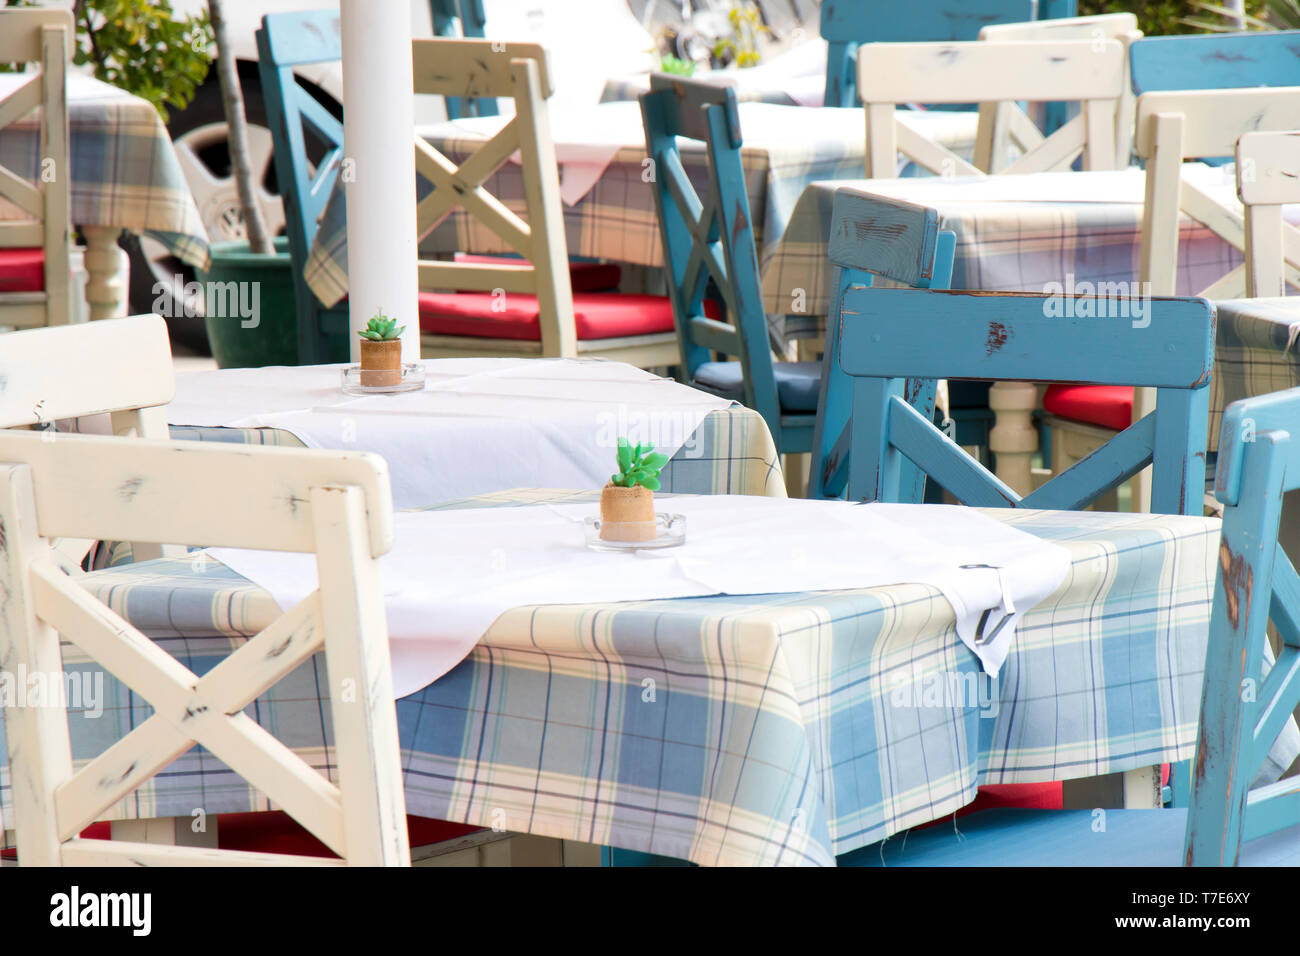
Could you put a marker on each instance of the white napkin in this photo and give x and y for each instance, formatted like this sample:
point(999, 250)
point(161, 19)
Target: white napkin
point(478, 426)
point(452, 573)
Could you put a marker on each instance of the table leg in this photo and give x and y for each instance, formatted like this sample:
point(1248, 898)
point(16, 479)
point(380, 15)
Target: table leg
point(168, 831)
point(1013, 439)
point(105, 280)
point(1132, 790)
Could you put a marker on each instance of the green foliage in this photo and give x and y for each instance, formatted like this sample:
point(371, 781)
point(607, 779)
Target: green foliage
point(140, 46)
point(741, 48)
point(1159, 17)
point(671, 64)
point(638, 465)
point(381, 329)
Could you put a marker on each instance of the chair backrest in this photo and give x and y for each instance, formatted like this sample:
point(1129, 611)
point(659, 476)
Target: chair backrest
point(1010, 124)
point(888, 336)
point(47, 38)
point(1268, 177)
point(335, 505)
point(119, 367)
point(1244, 703)
point(469, 14)
point(1172, 127)
point(287, 41)
point(518, 71)
point(847, 24)
point(1215, 61)
point(1089, 72)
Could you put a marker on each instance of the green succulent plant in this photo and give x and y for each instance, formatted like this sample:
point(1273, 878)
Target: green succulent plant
point(638, 465)
point(671, 64)
point(381, 329)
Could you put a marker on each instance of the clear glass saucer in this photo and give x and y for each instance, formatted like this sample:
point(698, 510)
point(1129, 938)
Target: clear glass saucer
point(412, 381)
point(670, 531)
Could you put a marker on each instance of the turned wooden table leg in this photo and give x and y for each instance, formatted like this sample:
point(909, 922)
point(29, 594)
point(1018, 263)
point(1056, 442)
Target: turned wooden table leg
point(168, 831)
point(105, 276)
point(1013, 439)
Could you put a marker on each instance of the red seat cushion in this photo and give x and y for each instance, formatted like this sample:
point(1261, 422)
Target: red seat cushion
point(583, 276)
point(22, 270)
point(596, 316)
point(277, 832)
point(1110, 406)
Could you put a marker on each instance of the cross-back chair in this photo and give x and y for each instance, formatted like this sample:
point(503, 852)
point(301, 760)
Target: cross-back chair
point(335, 505)
point(525, 306)
point(1268, 177)
point(469, 14)
point(1004, 124)
point(1084, 71)
point(708, 241)
point(34, 265)
point(1245, 703)
point(848, 24)
point(888, 336)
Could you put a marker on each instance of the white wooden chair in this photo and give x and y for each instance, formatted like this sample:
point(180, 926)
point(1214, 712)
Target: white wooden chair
point(1004, 124)
point(1268, 177)
point(511, 296)
point(34, 226)
point(1172, 127)
point(118, 367)
point(335, 505)
point(989, 73)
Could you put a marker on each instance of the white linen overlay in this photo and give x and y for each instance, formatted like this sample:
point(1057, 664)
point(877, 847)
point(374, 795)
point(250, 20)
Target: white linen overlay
point(452, 573)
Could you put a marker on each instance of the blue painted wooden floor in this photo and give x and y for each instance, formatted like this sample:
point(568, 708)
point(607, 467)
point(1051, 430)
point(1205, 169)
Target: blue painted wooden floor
point(1010, 837)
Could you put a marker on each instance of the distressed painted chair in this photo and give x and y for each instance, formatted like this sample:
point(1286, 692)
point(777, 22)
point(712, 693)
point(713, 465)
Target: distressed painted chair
point(1171, 128)
point(1268, 177)
point(335, 505)
point(472, 20)
point(1244, 703)
point(1005, 124)
point(848, 24)
point(527, 306)
point(34, 268)
point(708, 241)
point(287, 41)
point(888, 336)
point(1084, 71)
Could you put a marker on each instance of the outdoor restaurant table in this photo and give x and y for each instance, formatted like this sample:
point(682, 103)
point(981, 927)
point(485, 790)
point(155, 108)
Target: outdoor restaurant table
point(124, 176)
point(474, 416)
point(609, 210)
point(760, 729)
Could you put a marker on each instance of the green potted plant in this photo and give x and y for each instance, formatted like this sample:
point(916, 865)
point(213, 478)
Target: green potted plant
point(381, 351)
point(627, 505)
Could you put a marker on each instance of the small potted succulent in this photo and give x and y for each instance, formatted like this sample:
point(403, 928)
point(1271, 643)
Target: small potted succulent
point(381, 351)
point(627, 504)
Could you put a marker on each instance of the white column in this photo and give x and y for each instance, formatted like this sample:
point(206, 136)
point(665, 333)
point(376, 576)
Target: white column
point(378, 134)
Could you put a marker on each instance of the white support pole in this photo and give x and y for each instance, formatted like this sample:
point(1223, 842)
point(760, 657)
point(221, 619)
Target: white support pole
point(378, 131)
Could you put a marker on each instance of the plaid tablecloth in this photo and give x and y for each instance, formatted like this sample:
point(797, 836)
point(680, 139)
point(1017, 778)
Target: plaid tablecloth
point(1257, 351)
point(124, 170)
point(778, 729)
point(1014, 234)
point(615, 220)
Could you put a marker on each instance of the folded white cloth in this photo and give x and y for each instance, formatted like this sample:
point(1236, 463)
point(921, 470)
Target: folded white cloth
point(452, 573)
point(478, 426)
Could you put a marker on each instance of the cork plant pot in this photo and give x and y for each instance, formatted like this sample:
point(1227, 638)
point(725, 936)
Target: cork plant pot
point(381, 363)
point(627, 514)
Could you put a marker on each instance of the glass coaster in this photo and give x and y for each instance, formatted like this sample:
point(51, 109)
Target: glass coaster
point(670, 531)
point(412, 381)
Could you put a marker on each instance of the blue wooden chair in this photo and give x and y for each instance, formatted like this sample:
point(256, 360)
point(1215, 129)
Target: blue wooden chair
point(286, 41)
point(847, 24)
point(469, 14)
point(1244, 702)
point(887, 336)
point(708, 241)
point(1215, 61)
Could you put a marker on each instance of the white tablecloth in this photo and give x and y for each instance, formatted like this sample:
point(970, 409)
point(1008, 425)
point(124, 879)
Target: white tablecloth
point(478, 426)
point(452, 573)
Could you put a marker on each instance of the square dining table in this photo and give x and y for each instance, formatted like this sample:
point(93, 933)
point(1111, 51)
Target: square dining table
point(125, 176)
point(759, 729)
point(606, 180)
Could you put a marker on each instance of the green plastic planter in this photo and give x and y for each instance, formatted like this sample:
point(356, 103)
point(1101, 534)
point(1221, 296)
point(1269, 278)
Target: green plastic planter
point(240, 283)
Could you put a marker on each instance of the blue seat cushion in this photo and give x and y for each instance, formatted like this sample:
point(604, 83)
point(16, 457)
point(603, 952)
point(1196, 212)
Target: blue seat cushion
point(798, 384)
